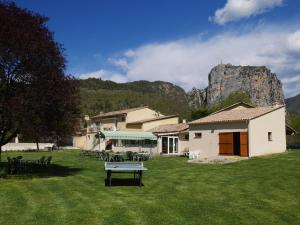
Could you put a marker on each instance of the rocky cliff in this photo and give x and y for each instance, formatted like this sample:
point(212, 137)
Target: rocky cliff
point(259, 83)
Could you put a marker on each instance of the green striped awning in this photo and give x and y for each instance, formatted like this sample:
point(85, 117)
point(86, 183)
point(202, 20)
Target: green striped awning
point(128, 135)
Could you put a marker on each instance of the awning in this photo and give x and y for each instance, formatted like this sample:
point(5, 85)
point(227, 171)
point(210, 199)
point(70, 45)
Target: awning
point(128, 135)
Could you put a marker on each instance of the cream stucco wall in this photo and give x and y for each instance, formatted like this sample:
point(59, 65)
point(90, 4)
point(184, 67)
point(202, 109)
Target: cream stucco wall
point(140, 114)
point(184, 144)
point(258, 133)
point(108, 123)
point(208, 145)
point(79, 142)
point(150, 125)
point(88, 142)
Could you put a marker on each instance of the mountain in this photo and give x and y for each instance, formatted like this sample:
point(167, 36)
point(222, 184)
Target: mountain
point(258, 82)
point(293, 104)
point(227, 84)
point(102, 96)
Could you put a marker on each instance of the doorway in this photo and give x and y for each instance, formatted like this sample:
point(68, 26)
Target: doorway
point(233, 143)
point(169, 145)
point(236, 143)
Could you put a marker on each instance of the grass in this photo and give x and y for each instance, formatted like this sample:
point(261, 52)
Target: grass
point(262, 190)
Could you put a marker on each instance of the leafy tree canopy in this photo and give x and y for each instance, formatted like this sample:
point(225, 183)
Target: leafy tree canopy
point(36, 96)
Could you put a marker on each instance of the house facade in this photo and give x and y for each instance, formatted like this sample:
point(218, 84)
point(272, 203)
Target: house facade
point(172, 139)
point(123, 130)
point(241, 130)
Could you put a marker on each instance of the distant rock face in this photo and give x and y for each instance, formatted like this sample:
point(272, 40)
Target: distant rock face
point(259, 83)
point(196, 98)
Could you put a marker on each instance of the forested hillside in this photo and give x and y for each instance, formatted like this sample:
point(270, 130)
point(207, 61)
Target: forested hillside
point(103, 96)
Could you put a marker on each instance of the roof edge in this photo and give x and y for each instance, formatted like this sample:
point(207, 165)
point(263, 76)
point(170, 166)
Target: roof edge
point(150, 120)
point(124, 113)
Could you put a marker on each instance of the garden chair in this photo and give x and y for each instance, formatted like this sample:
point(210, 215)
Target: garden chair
point(110, 156)
point(129, 155)
point(48, 161)
point(41, 161)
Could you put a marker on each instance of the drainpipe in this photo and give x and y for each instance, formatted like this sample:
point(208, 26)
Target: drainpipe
point(248, 126)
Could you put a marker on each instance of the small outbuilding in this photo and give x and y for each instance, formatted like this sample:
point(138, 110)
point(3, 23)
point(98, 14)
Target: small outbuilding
point(172, 139)
point(241, 130)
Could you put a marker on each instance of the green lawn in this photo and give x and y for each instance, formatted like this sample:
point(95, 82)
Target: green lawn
point(263, 190)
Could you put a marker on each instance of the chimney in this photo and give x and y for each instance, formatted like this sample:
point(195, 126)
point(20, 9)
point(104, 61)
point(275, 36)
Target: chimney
point(183, 120)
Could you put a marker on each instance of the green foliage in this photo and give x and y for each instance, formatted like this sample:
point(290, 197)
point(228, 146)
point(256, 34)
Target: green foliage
point(234, 97)
point(197, 114)
point(103, 96)
point(293, 104)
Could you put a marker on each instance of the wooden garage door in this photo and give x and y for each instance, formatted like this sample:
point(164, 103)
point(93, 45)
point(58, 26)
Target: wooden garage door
point(244, 144)
point(226, 143)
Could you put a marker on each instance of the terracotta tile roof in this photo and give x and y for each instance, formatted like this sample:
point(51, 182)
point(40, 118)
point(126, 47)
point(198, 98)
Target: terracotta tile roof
point(236, 115)
point(117, 113)
point(169, 128)
point(150, 120)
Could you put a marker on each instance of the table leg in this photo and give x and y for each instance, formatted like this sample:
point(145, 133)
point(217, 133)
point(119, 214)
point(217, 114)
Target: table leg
point(140, 177)
point(109, 177)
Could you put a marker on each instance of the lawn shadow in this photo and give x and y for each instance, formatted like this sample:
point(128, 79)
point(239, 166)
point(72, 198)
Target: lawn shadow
point(53, 170)
point(123, 182)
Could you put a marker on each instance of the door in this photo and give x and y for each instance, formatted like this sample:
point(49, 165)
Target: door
point(175, 144)
point(226, 143)
point(244, 149)
point(236, 143)
point(164, 145)
point(171, 145)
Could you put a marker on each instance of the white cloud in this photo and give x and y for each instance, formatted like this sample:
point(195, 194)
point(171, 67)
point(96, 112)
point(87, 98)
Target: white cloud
point(293, 41)
point(237, 9)
point(187, 62)
point(105, 75)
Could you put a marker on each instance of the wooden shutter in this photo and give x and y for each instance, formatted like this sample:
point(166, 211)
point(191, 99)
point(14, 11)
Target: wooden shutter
point(226, 143)
point(244, 144)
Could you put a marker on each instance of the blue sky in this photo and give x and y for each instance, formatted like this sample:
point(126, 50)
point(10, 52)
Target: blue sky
point(175, 40)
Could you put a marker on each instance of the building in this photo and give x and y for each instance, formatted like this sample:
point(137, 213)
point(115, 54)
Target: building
point(172, 139)
point(123, 130)
point(240, 129)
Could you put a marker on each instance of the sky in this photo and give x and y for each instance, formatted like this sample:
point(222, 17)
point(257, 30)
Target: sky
point(178, 41)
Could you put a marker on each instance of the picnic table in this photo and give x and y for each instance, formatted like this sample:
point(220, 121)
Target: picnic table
point(117, 167)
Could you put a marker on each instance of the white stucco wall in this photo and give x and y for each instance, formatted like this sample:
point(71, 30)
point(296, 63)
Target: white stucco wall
point(258, 133)
point(25, 146)
point(208, 145)
point(183, 144)
point(152, 150)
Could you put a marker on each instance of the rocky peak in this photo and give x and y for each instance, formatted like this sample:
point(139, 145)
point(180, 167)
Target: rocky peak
point(258, 82)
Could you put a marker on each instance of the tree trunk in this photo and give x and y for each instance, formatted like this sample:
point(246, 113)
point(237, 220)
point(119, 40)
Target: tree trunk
point(57, 142)
point(37, 144)
point(0, 152)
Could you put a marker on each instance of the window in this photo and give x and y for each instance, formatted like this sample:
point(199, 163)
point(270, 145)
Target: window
point(186, 137)
point(270, 136)
point(198, 135)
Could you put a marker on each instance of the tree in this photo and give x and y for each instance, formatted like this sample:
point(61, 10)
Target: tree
point(234, 97)
point(36, 97)
point(199, 113)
